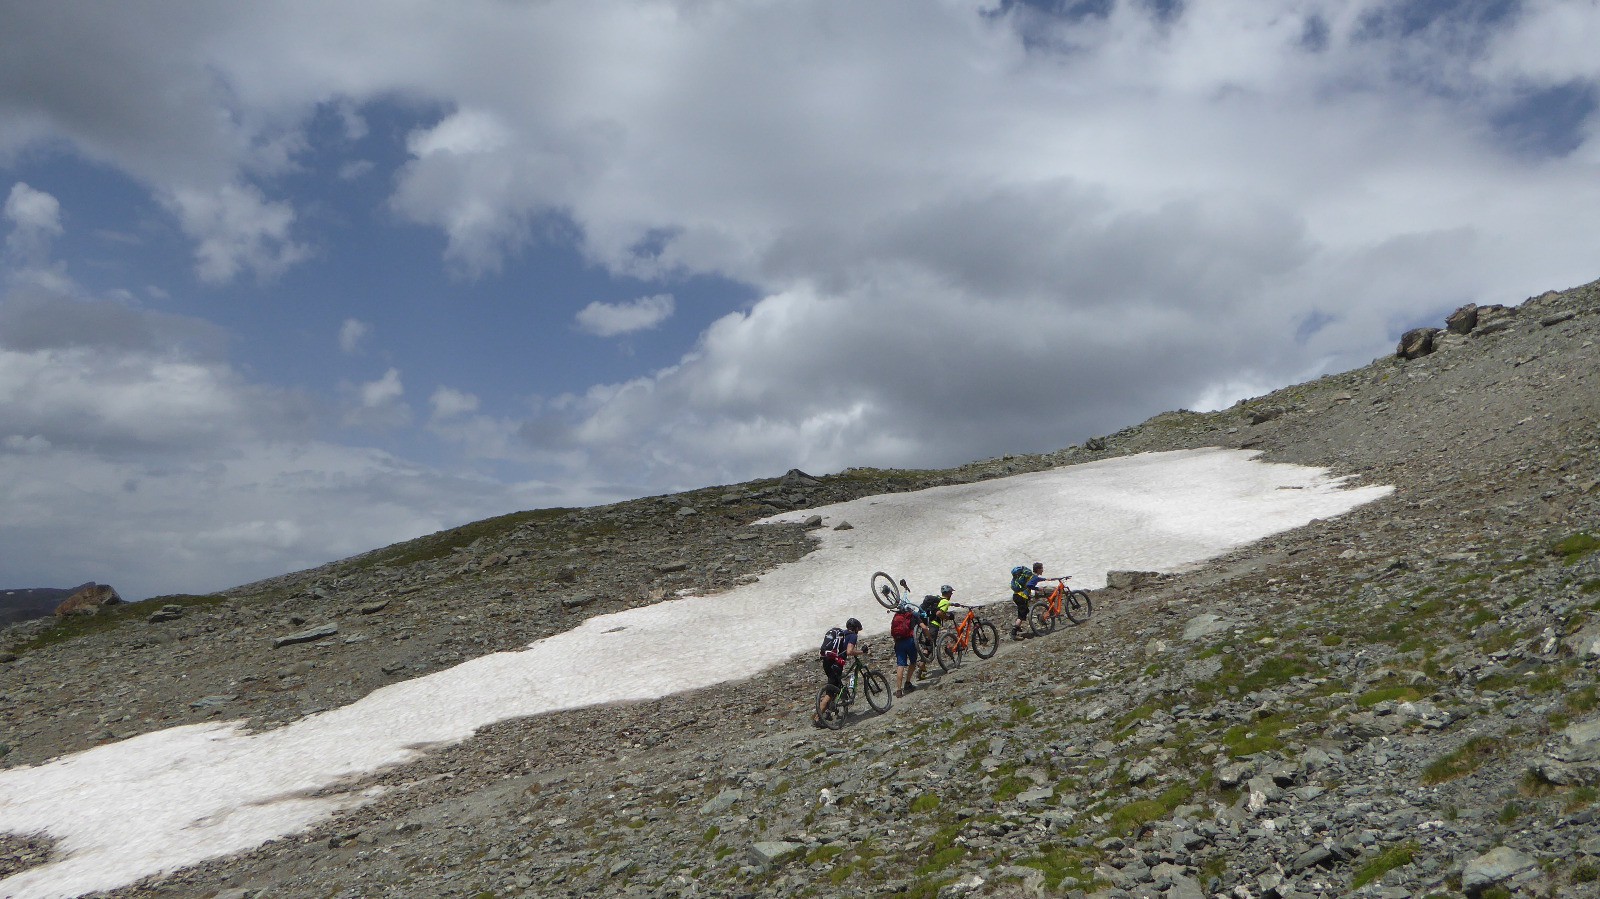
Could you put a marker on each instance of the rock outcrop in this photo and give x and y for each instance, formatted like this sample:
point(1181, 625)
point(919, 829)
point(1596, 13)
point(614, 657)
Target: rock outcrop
point(87, 600)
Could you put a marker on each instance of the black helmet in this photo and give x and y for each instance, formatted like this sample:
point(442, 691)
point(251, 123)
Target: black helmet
point(947, 590)
point(852, 625)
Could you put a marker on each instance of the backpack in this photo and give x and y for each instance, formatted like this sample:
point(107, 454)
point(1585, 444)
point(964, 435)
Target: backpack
point(902, 626)
point(930, 605)
point(833, 641)
point(1019, 578)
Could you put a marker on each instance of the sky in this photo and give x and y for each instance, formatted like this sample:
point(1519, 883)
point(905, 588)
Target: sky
point(167, 799)
point(283, 282)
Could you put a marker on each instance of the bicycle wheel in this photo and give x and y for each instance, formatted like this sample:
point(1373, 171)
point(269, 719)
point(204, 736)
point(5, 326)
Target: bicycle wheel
point(831, 717)
point(885, 590)
point(876, 686)
point(949, 652)
point(985, 640)
point(1078, 606)
point(1040, 621)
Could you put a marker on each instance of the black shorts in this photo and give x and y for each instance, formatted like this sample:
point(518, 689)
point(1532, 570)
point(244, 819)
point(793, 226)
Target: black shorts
point(835, 672)
point(1022, 606)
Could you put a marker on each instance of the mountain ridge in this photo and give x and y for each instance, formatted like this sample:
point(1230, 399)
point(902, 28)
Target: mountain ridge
point(1491, 441)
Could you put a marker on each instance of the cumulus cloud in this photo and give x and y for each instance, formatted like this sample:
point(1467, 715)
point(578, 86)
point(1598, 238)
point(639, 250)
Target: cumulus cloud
point(450, 403)
point(235, 230)
point(351, 335)
point(611, 319)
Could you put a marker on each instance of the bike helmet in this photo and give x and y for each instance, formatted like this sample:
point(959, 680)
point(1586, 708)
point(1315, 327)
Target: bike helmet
point(947, 590)
point(852, 625)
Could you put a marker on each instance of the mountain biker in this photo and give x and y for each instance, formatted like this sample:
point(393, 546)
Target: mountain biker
point(1023, 580)
point(838, 646)
point(904, 631)
point(935, 611)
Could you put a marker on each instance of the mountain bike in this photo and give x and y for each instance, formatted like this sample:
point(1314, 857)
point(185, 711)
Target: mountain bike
point(1045, 614)
point(971, 632)
point(858, 678)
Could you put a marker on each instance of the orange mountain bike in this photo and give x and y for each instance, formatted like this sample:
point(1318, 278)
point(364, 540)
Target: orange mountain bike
point(1047, 613)
point(971, 632)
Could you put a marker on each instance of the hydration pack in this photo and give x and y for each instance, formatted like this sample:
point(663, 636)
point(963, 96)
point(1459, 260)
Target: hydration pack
point(903, 625)
point(833, 642)
point(1019, 578)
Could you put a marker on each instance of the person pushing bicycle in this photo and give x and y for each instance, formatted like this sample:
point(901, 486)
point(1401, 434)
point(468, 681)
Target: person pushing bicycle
point(838, 646)
point(935, 611)
point(1023, 581)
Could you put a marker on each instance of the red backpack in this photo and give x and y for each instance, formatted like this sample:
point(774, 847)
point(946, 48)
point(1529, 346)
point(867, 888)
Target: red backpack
point(903, 626)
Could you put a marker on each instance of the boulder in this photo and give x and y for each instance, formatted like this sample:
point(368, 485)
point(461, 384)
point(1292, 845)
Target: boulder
point(769, 854)
point(1129, 580)
point(87, 600)
point(1495, 866)
point(1463, 320)
point(1201, 626)
point(794, 477)
point(1574, 760)
point(1416, 343)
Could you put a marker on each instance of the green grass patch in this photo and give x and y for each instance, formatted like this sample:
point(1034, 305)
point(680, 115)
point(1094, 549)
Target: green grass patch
point(710, 834)
point(1059, 862)
point(927, 802)
point(1581, 798)
point(940, 860)
point(1575, 547)
point(1248, 739)
point(1130, 817)
point(1463, 761)
point(1021, 710)
point(824, 853)
point(1011, 788)
point(1589, 587)
point(1395, 693)
point(1391, 858)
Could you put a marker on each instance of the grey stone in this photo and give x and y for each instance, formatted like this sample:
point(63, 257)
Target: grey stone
point(769, 854)
point(721, 802)
point(1498, 864)
point(306, 636)
point(1201, 626)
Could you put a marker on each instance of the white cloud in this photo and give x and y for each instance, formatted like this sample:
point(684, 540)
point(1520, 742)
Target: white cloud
point(378, 404)
point(236, 230)
point(33, 210)
point(35, 219)
point(611, 319)
point(450, 403)
point(352, 334)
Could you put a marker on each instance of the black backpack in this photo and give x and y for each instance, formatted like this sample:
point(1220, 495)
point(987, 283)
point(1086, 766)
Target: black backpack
point(833, 641)
point(930, 605)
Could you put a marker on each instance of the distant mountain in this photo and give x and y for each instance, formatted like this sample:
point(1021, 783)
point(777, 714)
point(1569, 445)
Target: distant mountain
point(33, 602)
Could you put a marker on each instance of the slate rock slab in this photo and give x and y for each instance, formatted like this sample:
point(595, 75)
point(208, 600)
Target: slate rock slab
point(310, 635)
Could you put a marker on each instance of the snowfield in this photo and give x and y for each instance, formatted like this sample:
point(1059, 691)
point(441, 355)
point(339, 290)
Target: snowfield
point(172, 798)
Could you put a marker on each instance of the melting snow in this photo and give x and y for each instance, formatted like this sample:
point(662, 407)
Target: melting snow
point(172, 798)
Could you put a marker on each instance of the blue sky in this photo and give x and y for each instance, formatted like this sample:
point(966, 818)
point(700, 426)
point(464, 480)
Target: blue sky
point(283, 282)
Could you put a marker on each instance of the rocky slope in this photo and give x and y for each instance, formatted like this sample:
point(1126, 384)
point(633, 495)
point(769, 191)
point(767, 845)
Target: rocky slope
point(1400, 703)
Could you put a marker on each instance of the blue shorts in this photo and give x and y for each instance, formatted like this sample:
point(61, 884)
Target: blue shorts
point(905, 652)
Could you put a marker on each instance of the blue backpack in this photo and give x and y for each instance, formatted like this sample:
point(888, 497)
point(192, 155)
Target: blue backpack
point(1020, 576)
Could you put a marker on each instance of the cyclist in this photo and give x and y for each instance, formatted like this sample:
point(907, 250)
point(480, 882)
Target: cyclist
point(838, 645)
point(1023, 582)
point(904, 631)
point(935, 611)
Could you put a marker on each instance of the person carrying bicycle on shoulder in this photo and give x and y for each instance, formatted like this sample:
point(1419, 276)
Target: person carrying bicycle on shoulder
point(935, 611)
point(904, 631)
point(1023, 581)
point(839, 644)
